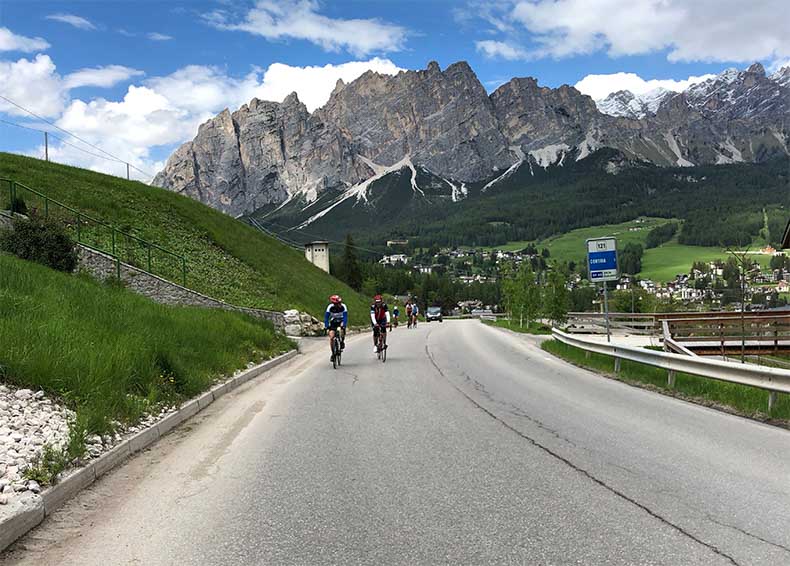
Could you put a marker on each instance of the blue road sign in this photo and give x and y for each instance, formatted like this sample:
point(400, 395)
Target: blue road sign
point(602, 259)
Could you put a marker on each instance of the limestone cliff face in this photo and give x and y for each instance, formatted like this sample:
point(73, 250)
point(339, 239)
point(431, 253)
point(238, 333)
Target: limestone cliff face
point(444, 121)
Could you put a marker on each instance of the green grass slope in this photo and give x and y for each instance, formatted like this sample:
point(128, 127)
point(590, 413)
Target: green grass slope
point(113, 354)
point(226, 258)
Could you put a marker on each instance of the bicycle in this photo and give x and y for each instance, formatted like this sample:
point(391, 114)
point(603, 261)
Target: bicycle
point(337, 349)
point(381, 344)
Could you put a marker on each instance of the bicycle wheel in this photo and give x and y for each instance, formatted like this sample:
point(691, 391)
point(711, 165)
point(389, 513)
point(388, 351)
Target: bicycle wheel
point(335, 354)
point(384, 354)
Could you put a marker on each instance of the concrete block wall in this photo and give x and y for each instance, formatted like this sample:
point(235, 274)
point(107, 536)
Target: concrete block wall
point(103, 266)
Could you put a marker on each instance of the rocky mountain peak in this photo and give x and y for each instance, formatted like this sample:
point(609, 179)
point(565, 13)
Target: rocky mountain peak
point(756, 68)
point(445, 123)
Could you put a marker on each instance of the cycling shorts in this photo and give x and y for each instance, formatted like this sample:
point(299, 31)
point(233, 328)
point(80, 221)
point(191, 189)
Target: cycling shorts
point(335, 323)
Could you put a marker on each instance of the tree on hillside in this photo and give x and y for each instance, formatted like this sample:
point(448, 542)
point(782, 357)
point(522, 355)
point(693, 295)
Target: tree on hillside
point(556, 298)
point(350, 271)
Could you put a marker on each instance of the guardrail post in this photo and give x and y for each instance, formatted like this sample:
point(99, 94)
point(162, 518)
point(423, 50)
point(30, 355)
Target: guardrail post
point(617, 365)
point(46, 207)
point(118, 268)
point(586, 354)
point(671, 379)
point(184, 271)
point(149, 258)
point(771, 401)
point(112, 231)
point(13, 197)
point(79, 231)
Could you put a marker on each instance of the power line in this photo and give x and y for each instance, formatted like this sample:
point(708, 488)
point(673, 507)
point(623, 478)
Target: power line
point(60, 139)
point(269, 222)
point(75, 136)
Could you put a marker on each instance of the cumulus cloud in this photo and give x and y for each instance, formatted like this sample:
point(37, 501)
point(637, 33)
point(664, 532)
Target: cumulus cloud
point(9, 41)
point(703, 30)
point(103, 77)
point(160, 112)
point(34, 83)
point(313, 85)
point(492, 48)
point(299, 19)
point(600, 86)
point(76, 21)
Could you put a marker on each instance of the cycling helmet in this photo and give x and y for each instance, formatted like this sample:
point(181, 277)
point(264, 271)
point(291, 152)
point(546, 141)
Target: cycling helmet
point(377, 299)
point(335, 299)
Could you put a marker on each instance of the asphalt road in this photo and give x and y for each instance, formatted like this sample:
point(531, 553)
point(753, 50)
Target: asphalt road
point(470, 445)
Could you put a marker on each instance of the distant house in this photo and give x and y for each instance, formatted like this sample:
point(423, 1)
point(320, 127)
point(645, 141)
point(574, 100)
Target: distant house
point(783, 287)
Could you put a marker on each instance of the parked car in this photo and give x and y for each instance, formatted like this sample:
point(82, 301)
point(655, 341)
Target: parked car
point(433, 313)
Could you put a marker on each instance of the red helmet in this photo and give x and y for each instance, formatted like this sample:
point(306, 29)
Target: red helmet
point(377, 299)
point(335, 299)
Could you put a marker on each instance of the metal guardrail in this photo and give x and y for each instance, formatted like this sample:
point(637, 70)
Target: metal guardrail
point(771, 379)
point(102, 236)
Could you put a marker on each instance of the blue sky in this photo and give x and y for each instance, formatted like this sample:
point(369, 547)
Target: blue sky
point(136, 78)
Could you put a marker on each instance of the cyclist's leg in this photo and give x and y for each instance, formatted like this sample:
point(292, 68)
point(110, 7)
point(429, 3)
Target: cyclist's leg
point(331, 334)
point(376, 337)
point(342, 337)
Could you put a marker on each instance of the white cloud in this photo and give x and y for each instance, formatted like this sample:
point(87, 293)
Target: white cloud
point(161, 112)
point(32, 83)
point(492, 48)
point(9, 41)
point(156, 36)
point(104, 77)
point(76, 21)
point(299, 19)
point(702, 30)
point(600, 86)
point(313, 85)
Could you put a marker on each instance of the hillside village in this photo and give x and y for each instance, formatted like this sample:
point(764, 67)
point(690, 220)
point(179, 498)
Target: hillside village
point(710, 285)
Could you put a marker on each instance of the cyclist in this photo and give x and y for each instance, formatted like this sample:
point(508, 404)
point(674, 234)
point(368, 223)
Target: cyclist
point(336, 317)
point(380, 318)
point(395, 315)
point(415, 310)
point(408, 313)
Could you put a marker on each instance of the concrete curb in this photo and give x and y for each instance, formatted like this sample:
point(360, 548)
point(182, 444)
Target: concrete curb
point(33, 510)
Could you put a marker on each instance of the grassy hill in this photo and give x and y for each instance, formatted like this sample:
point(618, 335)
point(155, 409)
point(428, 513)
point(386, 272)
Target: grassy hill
point(665, 262)
point(226, 258)
point(112, 354)
point(571, 245)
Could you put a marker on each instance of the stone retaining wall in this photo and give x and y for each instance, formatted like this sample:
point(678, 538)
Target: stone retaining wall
point(103, 266)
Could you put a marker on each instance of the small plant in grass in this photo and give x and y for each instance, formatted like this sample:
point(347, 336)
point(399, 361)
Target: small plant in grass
point(54, 459)
point(41, 240)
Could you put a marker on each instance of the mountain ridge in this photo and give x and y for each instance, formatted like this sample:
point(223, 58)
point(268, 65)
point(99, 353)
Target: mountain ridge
point(269, 153)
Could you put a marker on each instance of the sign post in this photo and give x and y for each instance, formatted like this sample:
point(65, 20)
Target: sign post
point(602, 266)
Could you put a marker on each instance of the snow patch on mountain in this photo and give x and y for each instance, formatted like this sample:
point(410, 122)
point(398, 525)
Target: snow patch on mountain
point(360, 190)
point(626, 104)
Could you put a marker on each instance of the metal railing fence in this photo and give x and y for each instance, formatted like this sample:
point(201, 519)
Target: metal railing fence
point(97, 234)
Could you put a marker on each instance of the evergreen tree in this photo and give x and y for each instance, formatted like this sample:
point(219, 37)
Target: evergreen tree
point(350, 271)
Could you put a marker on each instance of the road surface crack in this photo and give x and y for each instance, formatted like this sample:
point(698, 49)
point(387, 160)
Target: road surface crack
point(581, 470)
point(748, 534)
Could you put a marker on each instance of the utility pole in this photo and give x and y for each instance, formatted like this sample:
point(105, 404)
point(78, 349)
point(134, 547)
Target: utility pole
point(46, 146)
point(127, 171)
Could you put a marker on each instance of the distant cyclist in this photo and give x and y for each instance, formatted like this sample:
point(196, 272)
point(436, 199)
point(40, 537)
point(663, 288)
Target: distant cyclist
point(380, 318)
point(395, 316)
point(336, 317)
point(415, 310)
point(409, 308)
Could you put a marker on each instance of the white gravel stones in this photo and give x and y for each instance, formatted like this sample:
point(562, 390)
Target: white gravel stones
point(28, 421)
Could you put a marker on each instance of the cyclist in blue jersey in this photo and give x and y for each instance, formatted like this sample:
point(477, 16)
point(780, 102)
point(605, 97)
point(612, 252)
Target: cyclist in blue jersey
point(336, 318)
